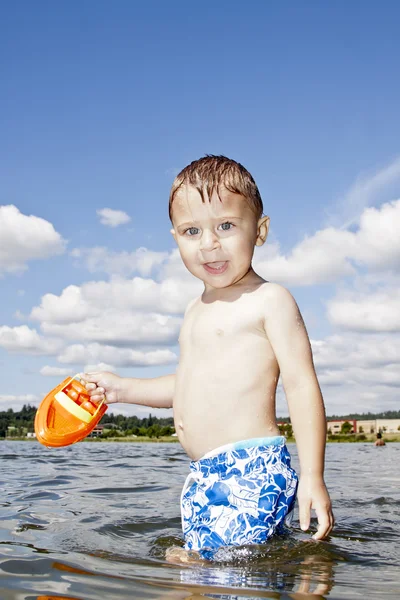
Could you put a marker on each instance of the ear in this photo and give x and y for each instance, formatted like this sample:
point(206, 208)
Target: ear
point(262, 230)
point(173, 232)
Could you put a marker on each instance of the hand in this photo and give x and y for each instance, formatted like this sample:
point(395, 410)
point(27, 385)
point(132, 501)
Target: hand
point(316, 570)
point(312, 493)
point(102, 386)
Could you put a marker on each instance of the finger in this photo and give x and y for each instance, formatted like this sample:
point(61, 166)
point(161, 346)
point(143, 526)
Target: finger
point(321, 589)
point(95, 391)
point(331, 520)
point(324, 523)
point(90, 386)
point(97, 398)
point(90, 377)
point(304, 514)
point(304, 586)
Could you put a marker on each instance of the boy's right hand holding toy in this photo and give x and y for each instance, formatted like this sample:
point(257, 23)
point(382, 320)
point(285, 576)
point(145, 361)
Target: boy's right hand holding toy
point(103, 386)
point(156, 393)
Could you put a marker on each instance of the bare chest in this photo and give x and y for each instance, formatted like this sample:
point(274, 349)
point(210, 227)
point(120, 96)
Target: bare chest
point(220, 323)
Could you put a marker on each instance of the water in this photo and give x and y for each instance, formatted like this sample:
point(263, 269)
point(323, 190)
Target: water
point(94, 521)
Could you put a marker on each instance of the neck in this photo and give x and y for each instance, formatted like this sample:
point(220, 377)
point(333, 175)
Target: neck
point(248, 281)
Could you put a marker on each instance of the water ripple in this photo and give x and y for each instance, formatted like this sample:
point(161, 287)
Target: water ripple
point(97, 520)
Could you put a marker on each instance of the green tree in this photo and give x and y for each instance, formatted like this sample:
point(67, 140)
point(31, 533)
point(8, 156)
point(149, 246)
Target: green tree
point(289, 430)
point(346, 427)
point(154, 431)
point(166, 430)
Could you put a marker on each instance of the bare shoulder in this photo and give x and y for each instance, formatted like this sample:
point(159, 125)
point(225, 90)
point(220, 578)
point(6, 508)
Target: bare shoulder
point(275, 297)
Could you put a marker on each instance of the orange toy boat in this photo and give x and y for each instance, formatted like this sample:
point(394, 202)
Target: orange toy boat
point(67, 415)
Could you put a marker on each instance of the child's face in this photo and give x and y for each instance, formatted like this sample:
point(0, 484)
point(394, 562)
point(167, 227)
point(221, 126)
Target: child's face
point(216, 238)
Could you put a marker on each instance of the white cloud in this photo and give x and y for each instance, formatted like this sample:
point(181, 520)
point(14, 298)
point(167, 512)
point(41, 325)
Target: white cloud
point(17, 402)
point(119, 329)
point(112, 218)
point(358, 372)
point(48, 371)
point(321, 258)
point(378, 187)
point(135, 316)
point(371, 351)
point(331, 254)
point(100, 259)
point(76, 304)
point(379, 311)
point(69, 307)
point(120, 312)
point(359, 398)
point(24, 340)
point(142, 260)
point(387, 375)
point(378, 238)
point(24, 238)
point(121, 357)
point(117, 313)
point(96, 367)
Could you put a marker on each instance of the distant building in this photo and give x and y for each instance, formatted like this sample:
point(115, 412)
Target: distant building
point(378, 426)
point(364, 425)
point(335, 426)
point(98, 430)
point(15, 432)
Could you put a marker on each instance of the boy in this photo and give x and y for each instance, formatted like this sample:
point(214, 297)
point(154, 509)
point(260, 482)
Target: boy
point(235, 342)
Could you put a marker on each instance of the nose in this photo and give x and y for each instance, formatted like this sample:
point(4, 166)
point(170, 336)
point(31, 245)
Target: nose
point(209, 240)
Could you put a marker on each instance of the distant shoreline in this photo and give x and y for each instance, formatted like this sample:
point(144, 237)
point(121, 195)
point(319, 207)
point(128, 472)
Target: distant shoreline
point(348, 439)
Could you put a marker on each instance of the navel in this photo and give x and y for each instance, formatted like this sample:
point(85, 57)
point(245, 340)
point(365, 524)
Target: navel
point(219, 332)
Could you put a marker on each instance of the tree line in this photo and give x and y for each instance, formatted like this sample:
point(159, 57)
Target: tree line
point(151, 426)
point(121, 426)
point(388, 414)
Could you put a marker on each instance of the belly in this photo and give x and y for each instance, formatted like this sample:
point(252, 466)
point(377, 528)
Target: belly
point(216, 405)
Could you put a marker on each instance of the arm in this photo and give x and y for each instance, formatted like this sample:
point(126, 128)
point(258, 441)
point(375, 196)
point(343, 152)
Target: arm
point(288, 336)
point(157, 392)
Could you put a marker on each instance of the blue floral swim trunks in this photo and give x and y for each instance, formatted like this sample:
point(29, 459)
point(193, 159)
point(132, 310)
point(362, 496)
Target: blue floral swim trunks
point(238, 494)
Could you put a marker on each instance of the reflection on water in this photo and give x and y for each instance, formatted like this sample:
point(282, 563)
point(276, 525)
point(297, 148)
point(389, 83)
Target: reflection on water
point(96, 520)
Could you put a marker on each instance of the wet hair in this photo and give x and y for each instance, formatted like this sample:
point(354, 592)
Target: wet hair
point(207, 174)
point(379, 436)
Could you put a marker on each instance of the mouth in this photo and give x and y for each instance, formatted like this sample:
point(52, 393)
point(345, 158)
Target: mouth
point(216, 268)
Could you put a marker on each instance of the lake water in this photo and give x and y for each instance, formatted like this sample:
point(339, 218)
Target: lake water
point(94, 521)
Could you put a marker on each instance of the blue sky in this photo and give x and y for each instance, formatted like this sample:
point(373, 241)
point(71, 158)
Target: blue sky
point(103, 103)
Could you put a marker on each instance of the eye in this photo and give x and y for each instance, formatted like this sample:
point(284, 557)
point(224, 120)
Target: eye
point(226, 226)
point(191, 231)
